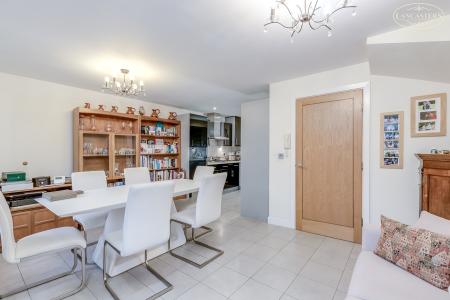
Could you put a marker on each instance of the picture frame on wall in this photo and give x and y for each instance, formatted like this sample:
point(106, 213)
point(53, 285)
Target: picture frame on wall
point(429, 115)
point(391, 140)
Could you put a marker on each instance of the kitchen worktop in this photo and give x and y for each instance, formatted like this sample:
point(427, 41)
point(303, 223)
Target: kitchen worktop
point(211, 163)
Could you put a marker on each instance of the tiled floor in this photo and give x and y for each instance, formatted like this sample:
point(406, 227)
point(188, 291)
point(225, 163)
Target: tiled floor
point(261, 261)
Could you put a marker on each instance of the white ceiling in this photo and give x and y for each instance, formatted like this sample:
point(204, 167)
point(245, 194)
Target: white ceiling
point(193, 54)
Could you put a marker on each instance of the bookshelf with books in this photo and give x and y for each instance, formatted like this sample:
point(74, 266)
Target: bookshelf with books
point(113, 141)
point(160, 147)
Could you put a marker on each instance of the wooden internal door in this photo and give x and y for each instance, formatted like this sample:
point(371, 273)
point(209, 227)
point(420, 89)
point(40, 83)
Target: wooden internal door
point(329, 165)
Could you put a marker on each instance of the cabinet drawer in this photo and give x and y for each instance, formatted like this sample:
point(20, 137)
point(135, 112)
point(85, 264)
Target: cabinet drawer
point(21, 224)
point(43, 216)
point(69, 222)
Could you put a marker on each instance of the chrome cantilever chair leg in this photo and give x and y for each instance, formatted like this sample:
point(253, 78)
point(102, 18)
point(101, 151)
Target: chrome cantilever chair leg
point(106, 277)
point(193, 239)
point(88, 263)
point(47, 280)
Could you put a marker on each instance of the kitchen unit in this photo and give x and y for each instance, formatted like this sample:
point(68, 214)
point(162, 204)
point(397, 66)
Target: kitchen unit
point(194, 136)
point(232, 170)
point(236, 130)
point(213, 140)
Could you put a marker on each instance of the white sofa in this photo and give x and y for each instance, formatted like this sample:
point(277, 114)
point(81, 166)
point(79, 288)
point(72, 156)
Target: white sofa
point(377, 279)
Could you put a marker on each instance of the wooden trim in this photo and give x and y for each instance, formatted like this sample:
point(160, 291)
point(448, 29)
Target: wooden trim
point(340, 232)
point(96, 112)
point(299, 160)
point(400, 140)
point(346, 233)
point(357, 164)
point(443, 115)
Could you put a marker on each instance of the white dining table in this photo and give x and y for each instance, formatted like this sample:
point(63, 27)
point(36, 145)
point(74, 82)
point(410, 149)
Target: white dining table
point(113, 201)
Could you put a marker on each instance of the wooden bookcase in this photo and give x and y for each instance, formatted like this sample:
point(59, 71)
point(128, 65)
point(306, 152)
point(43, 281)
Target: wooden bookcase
point(112, 142)
point(169, 135)
point(105, 141)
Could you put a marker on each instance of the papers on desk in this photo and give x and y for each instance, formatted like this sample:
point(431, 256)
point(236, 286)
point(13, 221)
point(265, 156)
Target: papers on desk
point(61, 195)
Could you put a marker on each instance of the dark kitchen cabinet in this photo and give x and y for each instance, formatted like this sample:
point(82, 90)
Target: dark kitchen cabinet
point(198, 132)
point(199, 136)
point(232, 171)
point(237, 131)
point(233, 174)
point(228, 133)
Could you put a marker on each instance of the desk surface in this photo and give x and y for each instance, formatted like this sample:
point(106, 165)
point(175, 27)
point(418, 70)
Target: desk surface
point(102, 200)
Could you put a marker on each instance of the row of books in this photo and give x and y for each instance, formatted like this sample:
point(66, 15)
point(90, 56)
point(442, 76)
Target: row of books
point(158, 164)
point(164, 175)
point(159, 130)
point(158, 146)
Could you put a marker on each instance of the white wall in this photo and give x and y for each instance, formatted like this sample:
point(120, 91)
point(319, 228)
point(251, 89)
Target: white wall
point(395, 193)
point(36, 122)
point(282, 121)
point(255, 159)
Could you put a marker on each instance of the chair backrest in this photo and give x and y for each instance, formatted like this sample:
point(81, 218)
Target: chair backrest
point(202, 171)
point(209, 199)
point(146, 223)
point(91, 180)
point(6, 232)
point(136, 175)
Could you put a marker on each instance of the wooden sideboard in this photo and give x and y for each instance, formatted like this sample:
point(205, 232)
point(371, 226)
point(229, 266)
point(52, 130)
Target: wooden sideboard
point(435, 195)
point(33, 218)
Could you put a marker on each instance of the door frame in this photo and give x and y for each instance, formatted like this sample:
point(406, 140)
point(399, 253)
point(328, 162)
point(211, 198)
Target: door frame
point(357, 159)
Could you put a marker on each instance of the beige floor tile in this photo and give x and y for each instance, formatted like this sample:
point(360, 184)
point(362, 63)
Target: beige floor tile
point(273, 242)
point(245, 265)
point(322, 273)
point(225, 281)
point(181, 283)
point(306, 289)
point(275, 277)
point(255, 290)
point(260, 252)
point(201, 291)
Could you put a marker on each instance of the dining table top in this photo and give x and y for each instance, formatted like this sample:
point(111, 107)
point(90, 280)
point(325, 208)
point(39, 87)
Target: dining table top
point(101, 200)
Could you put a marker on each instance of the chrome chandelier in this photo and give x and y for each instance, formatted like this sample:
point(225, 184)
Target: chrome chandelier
point(125, 86)
point(293, 15)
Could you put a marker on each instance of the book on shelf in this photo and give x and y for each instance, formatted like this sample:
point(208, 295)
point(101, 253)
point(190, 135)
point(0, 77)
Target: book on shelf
point(163, 175)
point(158, 147)
point(159, 130)
point(158, 164)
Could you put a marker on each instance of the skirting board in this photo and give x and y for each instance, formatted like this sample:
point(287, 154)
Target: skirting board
point(280, 222)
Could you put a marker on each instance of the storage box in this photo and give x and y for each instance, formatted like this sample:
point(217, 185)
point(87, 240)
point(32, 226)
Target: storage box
point(13, 176)
point(16, 186)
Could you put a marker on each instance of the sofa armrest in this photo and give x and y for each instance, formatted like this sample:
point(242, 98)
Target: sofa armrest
point(371, 234)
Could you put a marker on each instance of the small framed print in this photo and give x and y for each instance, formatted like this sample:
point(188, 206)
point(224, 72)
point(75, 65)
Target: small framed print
point(391, 139)
point(428, 115)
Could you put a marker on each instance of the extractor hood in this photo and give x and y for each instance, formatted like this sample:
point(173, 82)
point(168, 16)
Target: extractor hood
point(216, 124)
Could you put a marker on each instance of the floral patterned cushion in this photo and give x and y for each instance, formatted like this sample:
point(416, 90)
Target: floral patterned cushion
point(421, 252)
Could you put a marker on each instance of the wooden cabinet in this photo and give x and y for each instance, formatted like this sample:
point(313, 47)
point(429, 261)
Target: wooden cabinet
point(435, 196)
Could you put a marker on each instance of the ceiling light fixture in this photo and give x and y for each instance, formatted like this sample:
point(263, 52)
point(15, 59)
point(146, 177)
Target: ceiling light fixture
point(124, 87)
point(294, 14)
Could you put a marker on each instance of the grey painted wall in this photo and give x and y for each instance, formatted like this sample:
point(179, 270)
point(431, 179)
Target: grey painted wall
point(255, 159)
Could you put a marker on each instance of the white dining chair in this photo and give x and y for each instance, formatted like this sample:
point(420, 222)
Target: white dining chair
point(92, 224)
point(200, 172)
point(44, 242)
point(207, 209)
point(146, 225)
point(136, 175)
